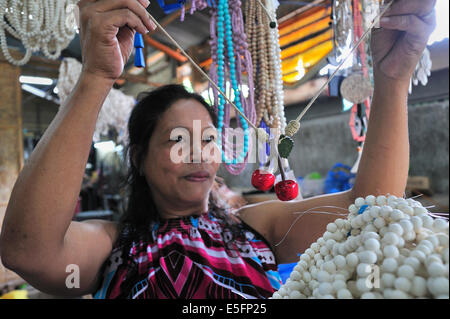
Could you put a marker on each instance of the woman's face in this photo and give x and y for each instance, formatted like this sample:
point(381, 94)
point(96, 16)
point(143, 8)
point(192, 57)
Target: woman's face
point(180, 166)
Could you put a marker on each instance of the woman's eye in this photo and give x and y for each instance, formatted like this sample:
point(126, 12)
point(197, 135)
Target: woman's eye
point(210, 139)
point(178, 138)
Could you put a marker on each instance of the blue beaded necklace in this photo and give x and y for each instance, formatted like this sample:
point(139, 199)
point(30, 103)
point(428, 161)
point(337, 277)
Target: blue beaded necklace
point(224, 18)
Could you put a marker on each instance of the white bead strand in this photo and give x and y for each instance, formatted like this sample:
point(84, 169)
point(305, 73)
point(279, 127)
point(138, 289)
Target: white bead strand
point(39, 25)
point(393, 238)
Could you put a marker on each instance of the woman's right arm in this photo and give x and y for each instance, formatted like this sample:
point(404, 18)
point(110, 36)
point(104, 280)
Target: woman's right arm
point(38, 238)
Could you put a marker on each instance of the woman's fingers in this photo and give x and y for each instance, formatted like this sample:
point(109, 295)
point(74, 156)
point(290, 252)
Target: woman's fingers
point(399, 43)
point(401, 58)
point(106, 33)
point(137, 7)
point(124, 17)
point(409, 23)
point(416, 30)
point(416, 7)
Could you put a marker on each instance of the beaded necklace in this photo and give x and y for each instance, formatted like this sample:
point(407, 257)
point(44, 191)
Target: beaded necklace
point(264, 46)
point(278, 75)
point(359, 87)
point(358, 127)
point(47, 27)
point(266, 58)
point(224, 18)
point(231, 59)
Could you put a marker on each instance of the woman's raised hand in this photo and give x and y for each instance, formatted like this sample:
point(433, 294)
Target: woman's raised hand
point(107, 29)
point(404, 33)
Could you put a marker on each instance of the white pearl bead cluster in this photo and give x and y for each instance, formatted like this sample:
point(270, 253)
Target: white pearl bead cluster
point(278, 85)
point(46, 26)
point(388, 247)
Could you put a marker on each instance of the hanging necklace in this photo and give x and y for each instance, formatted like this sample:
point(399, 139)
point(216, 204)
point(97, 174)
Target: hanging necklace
point(278, 75)
point(294, 125)
point(45, 27)
point(357, 88)
point(231, 59)
point(224, 33)
point(358, 127)
point(260, 27)
point(264, 46)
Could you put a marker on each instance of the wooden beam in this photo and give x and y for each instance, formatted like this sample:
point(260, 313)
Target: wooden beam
point(312, 73)
point(206, 63)
point(37, 71)
point(11, 143)
point(155, 58)
point(162, 47)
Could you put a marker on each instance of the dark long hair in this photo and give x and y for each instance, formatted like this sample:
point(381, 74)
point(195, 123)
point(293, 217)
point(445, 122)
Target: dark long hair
point(141, 210)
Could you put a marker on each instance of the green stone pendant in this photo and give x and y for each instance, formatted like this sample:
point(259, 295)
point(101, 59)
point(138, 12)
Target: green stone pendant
point(285, 145)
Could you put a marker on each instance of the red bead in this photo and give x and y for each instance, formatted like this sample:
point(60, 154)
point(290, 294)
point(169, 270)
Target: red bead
point(262, 180)
point(286, 190)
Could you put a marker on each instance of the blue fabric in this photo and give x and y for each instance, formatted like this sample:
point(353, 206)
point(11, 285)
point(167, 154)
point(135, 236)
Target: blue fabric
point(284, 270)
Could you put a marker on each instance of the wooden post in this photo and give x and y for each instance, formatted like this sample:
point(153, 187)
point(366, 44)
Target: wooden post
point(11, 142)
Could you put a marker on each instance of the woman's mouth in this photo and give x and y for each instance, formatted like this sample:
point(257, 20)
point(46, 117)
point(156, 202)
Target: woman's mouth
point(200, 176)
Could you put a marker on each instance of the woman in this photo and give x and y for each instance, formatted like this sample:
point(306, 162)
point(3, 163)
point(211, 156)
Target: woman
point(39, 240)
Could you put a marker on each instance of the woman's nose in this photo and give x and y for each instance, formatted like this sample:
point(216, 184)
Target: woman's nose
point(196, 152)
point(204, 152)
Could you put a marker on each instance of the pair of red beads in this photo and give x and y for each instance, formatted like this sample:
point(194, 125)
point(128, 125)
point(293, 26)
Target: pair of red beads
point(286, 190)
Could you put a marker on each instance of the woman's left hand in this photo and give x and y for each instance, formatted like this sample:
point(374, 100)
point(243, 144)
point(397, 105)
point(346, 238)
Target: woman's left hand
point(398, 45)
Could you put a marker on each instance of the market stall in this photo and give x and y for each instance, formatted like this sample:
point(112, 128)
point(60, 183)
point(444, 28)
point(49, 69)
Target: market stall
point(286, 75)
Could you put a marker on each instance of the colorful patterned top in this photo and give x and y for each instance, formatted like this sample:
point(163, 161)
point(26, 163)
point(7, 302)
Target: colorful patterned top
point(193, 258)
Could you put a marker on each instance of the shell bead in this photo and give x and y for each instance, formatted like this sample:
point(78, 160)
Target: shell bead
point(408, 248)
